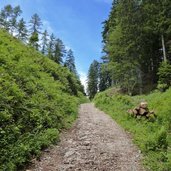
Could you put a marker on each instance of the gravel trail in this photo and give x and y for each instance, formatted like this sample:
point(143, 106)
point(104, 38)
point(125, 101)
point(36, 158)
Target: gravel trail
point(95, 143)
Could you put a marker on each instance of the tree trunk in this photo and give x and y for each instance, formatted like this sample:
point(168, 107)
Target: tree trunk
point(164, 49)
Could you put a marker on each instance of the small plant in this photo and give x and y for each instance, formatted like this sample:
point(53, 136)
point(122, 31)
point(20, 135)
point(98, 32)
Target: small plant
point(162, 139)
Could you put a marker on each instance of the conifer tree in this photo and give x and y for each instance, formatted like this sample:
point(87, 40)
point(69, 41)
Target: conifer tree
point(13, 21)
point(35, 24)
point(22, 30)
point(35, 27)
point(5, 17)
point(51, 46)
point(70, 62)
point(136, 40)
point(59, 51)
point(104, 77)
point(34, 39)
point(93, 79)
point(45, 42)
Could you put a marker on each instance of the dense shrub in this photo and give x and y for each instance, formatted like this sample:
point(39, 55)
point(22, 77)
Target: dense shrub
point(153, 138)
point(164, 74)
point(37, 99)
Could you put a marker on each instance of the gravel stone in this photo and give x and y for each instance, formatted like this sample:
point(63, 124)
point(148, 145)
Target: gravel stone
point(95, 143)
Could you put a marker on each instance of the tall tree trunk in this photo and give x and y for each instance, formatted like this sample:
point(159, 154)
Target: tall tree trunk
point(164, 49)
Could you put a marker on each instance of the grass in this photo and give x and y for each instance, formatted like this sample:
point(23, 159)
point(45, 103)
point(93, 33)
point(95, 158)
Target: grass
point(153, 137)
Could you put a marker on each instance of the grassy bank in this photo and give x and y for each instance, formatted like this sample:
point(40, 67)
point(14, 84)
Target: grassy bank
point(38, 98)
point(153, 137)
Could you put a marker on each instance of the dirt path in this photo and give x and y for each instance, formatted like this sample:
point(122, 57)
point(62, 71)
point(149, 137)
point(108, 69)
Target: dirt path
point(96, 142)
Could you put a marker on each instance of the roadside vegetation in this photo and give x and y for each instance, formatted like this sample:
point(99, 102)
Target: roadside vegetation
point(153, 137)
point(38, 98)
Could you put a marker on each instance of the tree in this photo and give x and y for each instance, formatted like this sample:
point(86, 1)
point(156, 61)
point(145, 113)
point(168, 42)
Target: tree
point(164, 76)
point(51, 46)
point(59, 51)
point(136, 38)
point(13, 21)
point(35, 26)
point(33, 41)
point(104, 77)
point(45, 42)
point(120, 44)
point(5, 17)
point(22, 30)
point(93, 79)
point(70, 62)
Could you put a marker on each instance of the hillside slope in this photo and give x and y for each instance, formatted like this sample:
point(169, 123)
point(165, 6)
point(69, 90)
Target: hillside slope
point(37, 99)
point(152, 136)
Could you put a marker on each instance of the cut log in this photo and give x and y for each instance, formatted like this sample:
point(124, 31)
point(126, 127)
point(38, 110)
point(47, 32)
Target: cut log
point(143, 111)
point(143, 105)
point(135, 111)
point(137, 108)
point(152, 112)
point(130, 111)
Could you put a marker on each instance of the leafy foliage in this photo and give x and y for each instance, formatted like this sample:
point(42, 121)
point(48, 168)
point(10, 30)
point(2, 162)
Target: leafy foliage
point(37, 99)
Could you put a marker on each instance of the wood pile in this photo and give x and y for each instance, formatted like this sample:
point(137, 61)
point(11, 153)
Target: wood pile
point(142, 110)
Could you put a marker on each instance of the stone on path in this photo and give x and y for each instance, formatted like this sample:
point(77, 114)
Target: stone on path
point(95, 143)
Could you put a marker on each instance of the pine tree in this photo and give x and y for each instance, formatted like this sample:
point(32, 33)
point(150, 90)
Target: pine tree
point(5, 17)
point(133, 37)
point(120, 43)
point(70, 62)
point(35, 27)
point(93, 79)
point(35, 24)
point(22, 30)
point(33, 41)
point(104, 77)
point(13, 21)
point(51, 46)
point(59, 51)
point(45, 42)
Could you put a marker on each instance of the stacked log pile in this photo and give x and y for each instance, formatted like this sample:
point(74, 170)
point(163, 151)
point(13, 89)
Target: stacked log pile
point(142, 110)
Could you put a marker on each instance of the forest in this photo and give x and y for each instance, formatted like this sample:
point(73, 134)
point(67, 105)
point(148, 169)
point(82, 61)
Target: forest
point(136, 48)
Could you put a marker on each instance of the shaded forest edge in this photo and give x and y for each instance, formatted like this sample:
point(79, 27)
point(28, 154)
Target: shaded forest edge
point(38, 98)
point(136, 48)
point(153, 135)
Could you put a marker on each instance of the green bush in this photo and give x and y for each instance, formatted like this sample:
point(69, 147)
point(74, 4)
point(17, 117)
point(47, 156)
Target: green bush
point(37, 99)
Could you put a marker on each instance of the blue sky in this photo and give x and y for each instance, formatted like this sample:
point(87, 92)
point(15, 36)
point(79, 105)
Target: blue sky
point(76, 22)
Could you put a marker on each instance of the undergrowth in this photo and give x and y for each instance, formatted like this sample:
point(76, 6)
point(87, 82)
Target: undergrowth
point(153, 137)
point(38, 98)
